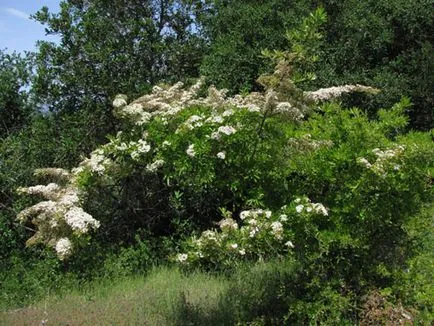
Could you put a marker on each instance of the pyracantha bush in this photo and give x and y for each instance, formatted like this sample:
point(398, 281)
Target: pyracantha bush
point(199, 146)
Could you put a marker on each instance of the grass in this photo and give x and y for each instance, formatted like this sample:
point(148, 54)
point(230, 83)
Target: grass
point(166, 296)
point(161, 298)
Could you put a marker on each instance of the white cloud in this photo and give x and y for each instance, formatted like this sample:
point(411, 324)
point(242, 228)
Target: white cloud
point(17, 13)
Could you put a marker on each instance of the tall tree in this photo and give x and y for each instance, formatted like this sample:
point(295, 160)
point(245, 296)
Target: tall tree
point(389, 44)
point(385, 43)
point(15, 73)
point(238, 31)
point(109, 47)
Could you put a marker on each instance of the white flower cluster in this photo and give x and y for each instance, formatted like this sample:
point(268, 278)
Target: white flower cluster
point(80, 221)
point(228, 224)
point(190, 151)
point(166, 102)
point(330, 93)
point(97, 163)
point(49, 191)
point(59, 215)
point(254, 213)
point(140, 147)
point(193, 121)
point(258, 221)
point(55, 173)
point(305, 205)
point(133, 112)
point(169, 101)
point(221, 155)
point(154, 166)
point(386, 160)
point(119, 147)
point(307, 144)
point(225, 130)
point(63, 248)
point(291, 112)
point(182, 258)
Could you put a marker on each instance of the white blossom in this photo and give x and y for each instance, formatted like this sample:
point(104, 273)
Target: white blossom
point(143, 146)
point(215, 135)
point(80, 221)
point(68, 197)
point(182, 258)
point(253, 232)
point(190, 151)
point(364, 162)
point(234, 246)
point(193, 119)
point(209, 235)
point(215, 119)
point(53, 172)
point(120, 101)
point(253, 108)
point(63, 248)
point(228, 224)
point(244, 214)
point(221, 155)
point(43, 207)
point(153, 167)
point(289, 111)
point(320, 209)
point(334, 92)
point(277, 229)
point(227, 130)
point(228, 113)
point(122, 147)
point(252, 222)
point(49, 191)
point(299, 208)
point(157, 89)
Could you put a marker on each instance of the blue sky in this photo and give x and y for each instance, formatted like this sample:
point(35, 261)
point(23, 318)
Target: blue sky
point(17, 31)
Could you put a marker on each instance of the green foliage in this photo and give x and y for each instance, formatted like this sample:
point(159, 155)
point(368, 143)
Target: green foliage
point(132, 260)
point(238, 32)
point(387, 44)
point(389, 47)
point(31, 277)
point(369, 201)
point(305, 42)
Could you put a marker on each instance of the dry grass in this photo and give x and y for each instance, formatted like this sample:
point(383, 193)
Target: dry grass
point(165, 297)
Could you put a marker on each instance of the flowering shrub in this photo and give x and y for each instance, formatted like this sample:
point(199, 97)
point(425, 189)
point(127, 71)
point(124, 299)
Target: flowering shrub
point(60, 215)
point(201, 147)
